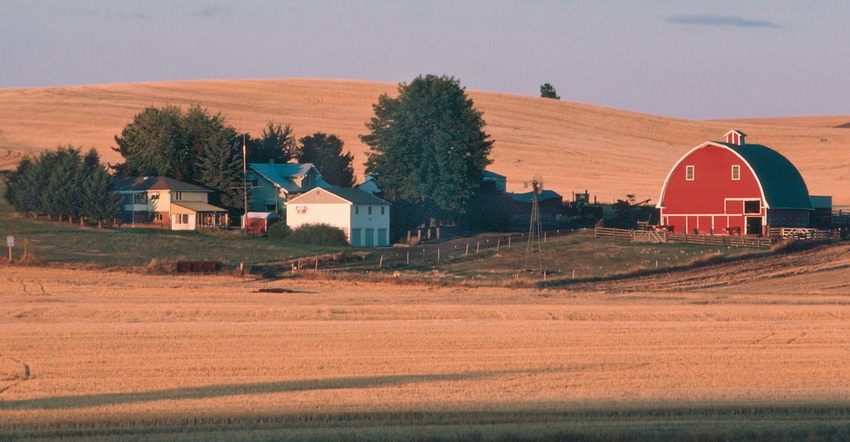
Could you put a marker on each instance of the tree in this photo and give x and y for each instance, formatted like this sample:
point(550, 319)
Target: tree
point(63, 183)
point(325, 152)
point(220, 168)
point(98, 202)
point(276, 145)
point(428, 147)
point(167, 142)
point(548, 91)
point(154, 144)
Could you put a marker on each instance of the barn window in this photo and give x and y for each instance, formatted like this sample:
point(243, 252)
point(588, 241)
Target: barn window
point(752, 206)
point(736, 172)
point(689, 173)
point(301, 210)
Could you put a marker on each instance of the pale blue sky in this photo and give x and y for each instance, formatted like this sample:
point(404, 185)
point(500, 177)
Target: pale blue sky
point(687, 59)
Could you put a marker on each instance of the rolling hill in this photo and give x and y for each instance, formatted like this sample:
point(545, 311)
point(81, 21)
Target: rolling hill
point(573, 146)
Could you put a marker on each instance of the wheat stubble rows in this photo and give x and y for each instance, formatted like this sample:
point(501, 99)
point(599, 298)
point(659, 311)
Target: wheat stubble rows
point(80, 347)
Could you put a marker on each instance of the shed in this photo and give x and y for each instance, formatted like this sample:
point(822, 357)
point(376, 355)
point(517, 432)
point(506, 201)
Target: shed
point(733, 187)
point(259, 222)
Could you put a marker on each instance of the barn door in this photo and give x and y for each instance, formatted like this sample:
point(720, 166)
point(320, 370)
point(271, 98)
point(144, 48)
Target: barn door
point(754, 225)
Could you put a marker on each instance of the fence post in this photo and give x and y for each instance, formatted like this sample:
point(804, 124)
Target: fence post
point(467, 249)
point(381, 262)
point(408, 258)
point(498, 243)
point(477, 246)
point(438, 253)
point(509, 241)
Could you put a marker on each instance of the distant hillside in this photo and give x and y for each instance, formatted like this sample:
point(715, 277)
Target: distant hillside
point(573, 146)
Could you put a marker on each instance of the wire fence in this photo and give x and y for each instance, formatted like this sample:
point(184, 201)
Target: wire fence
point(430, 254)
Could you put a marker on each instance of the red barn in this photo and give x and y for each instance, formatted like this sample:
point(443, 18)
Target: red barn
point(733, 187)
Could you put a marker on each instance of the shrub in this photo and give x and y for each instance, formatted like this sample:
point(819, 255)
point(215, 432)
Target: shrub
point(279, 230)
point(318, 235)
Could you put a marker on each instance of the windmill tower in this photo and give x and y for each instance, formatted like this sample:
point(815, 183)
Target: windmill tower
point(535, 227)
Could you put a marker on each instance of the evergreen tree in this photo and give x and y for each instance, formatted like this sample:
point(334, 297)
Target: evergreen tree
point(220, 168)
point(548, 91)
point(98, 203)
point(276, 145)
point(325, 152)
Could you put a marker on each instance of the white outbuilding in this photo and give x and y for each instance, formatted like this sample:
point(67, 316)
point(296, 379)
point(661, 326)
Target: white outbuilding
point(364, 217)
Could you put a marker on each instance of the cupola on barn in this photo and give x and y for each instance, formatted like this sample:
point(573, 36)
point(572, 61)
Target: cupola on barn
point(733, 187)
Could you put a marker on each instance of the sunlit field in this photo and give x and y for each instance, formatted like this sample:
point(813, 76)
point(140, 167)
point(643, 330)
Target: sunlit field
point(135, 356)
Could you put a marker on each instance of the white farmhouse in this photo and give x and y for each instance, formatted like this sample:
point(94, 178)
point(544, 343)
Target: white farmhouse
point(365, 218)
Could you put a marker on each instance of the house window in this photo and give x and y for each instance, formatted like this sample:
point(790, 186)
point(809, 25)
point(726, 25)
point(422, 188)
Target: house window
point(178, 196)
point(370, 210)
point(357, 210)
point(182, 218)
point(154, 195)
point(689, 173)
point(301, 210)
point(158, 216)
point(736, 172)
point(382, 210)
point(752, 206)
point(139, 198)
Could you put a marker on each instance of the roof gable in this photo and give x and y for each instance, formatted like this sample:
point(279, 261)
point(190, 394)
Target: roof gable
point(338, 195)
point(144, 184)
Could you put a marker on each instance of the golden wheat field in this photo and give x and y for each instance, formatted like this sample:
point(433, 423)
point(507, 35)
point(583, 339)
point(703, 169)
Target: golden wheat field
point(572, 146)
point(121, 355)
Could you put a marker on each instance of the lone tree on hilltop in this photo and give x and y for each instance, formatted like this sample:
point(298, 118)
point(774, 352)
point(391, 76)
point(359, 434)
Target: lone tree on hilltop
point(548, 91)
point(428, 150)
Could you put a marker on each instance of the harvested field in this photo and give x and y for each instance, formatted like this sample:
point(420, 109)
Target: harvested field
point(122, 355)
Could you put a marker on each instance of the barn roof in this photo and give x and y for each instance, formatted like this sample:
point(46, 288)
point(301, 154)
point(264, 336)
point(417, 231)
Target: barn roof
point(781, 183)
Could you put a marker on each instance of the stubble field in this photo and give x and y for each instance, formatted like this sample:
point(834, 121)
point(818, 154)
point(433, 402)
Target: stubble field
point(118, 355)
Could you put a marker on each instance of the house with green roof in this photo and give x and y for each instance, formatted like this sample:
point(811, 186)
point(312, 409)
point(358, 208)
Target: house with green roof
point(734, 187)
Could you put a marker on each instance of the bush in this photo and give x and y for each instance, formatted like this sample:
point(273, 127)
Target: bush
point(279, 230)
point(317, 235)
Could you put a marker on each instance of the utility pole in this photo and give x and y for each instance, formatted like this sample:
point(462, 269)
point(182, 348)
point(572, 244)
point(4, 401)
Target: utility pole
point(245, 182)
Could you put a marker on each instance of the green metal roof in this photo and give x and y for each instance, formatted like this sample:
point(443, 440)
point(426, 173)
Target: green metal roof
point(782, 185)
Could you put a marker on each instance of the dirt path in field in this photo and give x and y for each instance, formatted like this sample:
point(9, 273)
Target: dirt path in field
point(823, 269)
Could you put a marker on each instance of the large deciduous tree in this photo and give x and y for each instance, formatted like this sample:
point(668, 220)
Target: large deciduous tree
point(325, 152)
point(428, 149)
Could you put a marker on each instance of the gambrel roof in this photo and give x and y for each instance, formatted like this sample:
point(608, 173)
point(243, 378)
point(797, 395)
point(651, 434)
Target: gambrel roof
point(782, 186)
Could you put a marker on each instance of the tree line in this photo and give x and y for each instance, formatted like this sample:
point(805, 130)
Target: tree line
point(428, 151)
point(64, 184)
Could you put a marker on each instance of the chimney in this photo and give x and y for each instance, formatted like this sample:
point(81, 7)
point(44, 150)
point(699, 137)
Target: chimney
point(735, 137)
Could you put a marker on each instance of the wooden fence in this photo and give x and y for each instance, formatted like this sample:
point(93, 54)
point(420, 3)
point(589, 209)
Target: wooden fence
point(664, 237)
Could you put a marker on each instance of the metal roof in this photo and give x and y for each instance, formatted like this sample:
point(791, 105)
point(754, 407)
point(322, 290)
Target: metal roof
point(781, 183)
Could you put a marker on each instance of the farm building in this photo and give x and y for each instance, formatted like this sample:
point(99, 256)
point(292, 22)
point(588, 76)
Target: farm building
point(167, 203)
point(259, 222)
point(273, 184)
point(733, 187)
point(364, 217)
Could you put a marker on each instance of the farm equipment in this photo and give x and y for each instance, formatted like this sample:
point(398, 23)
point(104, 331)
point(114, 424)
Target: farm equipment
point(581, 208)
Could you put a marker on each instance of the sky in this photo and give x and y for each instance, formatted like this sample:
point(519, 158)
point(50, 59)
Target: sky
point(693, 59)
